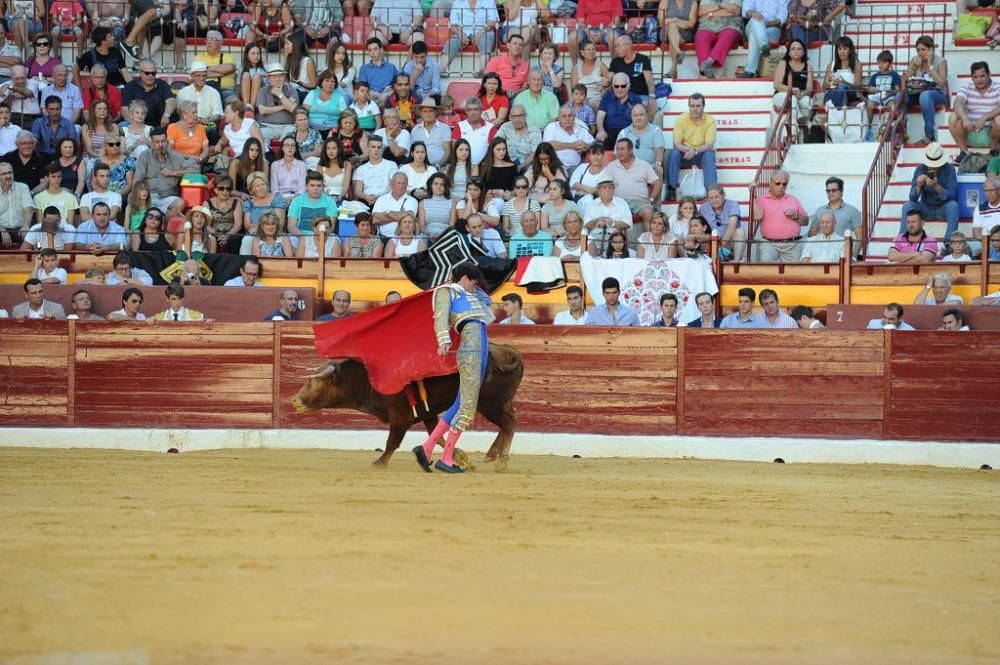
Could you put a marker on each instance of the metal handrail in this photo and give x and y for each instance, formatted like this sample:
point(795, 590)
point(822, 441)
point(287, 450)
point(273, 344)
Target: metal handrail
point(879, 175)
point(774, 155)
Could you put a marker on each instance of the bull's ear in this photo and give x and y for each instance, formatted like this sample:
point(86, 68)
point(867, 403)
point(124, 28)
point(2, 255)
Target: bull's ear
point(328, 368)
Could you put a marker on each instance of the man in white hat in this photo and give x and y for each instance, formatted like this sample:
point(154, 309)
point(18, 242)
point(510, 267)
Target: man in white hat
point(207, 98)
point(934, 191)
point(276, 102)
point(435, 134)
point(605, 213)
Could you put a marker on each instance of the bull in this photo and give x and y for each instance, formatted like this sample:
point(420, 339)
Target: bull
point(344, 384)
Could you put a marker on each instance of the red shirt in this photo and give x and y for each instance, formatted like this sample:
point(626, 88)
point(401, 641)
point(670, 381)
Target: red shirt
point(513, 77)
point(597, 12)
point(114, 99)
point(492, 109)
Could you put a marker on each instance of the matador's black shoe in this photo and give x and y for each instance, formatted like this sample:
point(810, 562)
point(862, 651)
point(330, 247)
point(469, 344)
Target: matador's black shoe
point(448, 468)
point(422, 460)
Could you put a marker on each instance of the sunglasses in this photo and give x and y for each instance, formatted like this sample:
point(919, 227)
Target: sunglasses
point(223, 189)
point(113, 143)
point(152, 73)
point(619, 86)
point(37, 44)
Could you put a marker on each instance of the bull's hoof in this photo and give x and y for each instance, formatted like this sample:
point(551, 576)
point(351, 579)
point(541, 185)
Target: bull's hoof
point(422, 460)
point(462, 460)
point(501, 465)
point(380, 464)
point(447, 468)
point(490, 457)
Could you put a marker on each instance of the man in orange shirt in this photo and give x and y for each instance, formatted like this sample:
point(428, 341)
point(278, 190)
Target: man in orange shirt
point(511, 66)
point(598, 21)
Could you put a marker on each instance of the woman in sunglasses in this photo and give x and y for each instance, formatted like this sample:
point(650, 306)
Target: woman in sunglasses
point(226, 223)
point(121, 165)
point(151, 236)
point(42, 62)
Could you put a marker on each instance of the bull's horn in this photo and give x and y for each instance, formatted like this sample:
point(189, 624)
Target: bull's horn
point(325, 369)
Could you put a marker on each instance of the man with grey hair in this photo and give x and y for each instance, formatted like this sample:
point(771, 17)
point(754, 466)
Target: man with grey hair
point(16, 207)
point(206, 97)
point(647, 139)
point(615, 111)
point(826, 246)
point(540, 105)
point(154, 92)
point(64, 89)
point(162, 169)
point(521, 138)
point(568, 137)
point(221, 66)
point(21, 95)
point(393, 206)
point(937, 291)
point(435, 135)
point(475, 130)
point(29, 165)
point(780, 218)
point(276, 101)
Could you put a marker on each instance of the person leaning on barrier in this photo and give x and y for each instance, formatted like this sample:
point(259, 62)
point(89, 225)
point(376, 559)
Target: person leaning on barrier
point(706, 307)
point(341, 302)
point(914, 245)
point(288, 305)
point(176, 310)
point(612, 312)
point(250, 272)
point(937, 291)
point(826, 246)
point(953, 321)
point(892, 319)
point(576, 315)
point(131, 306)
point(512, 304)
point(35, 305)
point(805, 318)
point(743, 316)
point(772, 316)
point(668, 311)
point(83, 307)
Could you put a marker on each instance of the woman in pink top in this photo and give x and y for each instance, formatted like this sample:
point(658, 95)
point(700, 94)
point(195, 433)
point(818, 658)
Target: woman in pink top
point(288, 174)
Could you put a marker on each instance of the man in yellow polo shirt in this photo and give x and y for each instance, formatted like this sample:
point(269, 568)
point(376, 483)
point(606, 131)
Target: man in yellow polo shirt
point(694, 145)
point(221, 66)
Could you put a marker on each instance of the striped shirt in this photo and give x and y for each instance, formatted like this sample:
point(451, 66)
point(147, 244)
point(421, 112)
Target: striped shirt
point(782, 321)
point(978, 104)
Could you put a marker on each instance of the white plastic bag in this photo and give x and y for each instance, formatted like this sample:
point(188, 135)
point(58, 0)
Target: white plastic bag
point(693, 184)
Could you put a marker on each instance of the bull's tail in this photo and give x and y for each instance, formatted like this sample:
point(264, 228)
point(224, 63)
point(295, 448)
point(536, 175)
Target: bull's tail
point(505, 359)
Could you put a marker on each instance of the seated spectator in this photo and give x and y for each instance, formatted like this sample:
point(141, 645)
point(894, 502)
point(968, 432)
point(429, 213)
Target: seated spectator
point(46, 267)
point(495, 101)
point(794, 75)
point(123, 273)
point(588, 71)
point(69, 94)
point(488, 238)
point(975, 118)
point(52, 127)
point(743, 316)
point(679, 223)
point(221, 75)
point(288, 305)
point(121, 167)
point(249, 273)
point(512, 304)
point(367, 113)
point(497, 170)
point(772, 317)
point(576, 315)
point(21, 94)
point(207, 100)
point(694, 145)
point(615, 111)
point(540, 105)
point(657, 244)
point(937, 291)
point(514, 210)
point(341, 302)
point(325, 104)
point(63, 233)
point(723, 216)
point(395, 138)
point(309, 140)
point(706, 307)
point(914, 245)
point(260, 201)
point(475, 130)
point(523, 18)
point(883, 88)
point(288, 174)
point(28, 165)
point(559, 204)
point(202, 240)
point(987, 214)
point(101, 234)
point(569, 139)
point(151, 236)
point(460, 168)
point(424, 72)
point(275, 103)
point(521, 138)
point(36, 306)
point(406, 240)
point(612, 312)
point(335, 169)
point(597, 22)
point(604, 214)
point(826, 246)
point(582, 110)
point(892, 319)
point(162, 168)
point(720, 29)
point(545, 167)
point(392, 206)
point(403, 101)
point(781, 218)
point(573, 243)
point(226, 222)
point(176, 309)
point(309, 205)
point(552, 72)
point(378, 72)
point(617, 247)
point(511, 67)
point(309, 245)
point(959, 249)
point(157, 98)
point(843, 81)
point(668, 311)
point(54, 196)
point(372, 179)
point(94, 275)
point(433, 133)
point(583, 181)
point(98, 128)
point(805, 318)
point(647, 139)
point(931, 71)
point(994, 249)
point(435, 213)
point(8, 131)
point(490, 210)
point(251, 160)
point(73, 166)
point(529, 240)
point(270, 239)
point(763, 25)
point(700, 234)
point(299, 64)
point(952, 320)
point(364, 245)
point(848, 218)
point(99, 193)
point(82, 305)
point(131, 306)
point(811, 20)
point(637, 67)
point(322, 21)
point(636, 181)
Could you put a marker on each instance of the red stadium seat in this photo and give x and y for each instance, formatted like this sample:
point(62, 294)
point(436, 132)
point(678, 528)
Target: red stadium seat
point(437, 30)
point(356, 31)
point(462, 90)
point(229, 37)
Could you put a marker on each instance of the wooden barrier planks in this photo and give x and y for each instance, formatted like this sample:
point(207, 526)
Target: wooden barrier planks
point(195, 375)
point(34, 384)
point(783, 383)
point(944, 386)
point(595, 379)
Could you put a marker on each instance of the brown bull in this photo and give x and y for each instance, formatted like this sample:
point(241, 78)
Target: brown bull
point(344, 384)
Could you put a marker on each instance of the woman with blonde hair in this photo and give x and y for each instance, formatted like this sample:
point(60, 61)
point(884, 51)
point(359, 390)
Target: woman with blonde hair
point(136, 130)
point(121, 167)
point(573, 243)
point(657, 244)
point(261, 201)
point(407, 241)
point(269, 241)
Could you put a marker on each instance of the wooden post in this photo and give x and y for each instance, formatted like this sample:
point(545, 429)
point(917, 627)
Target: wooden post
point(984, 266)
point(321, 250)
point(845, 267)
point(187, 238)
point(51, 239)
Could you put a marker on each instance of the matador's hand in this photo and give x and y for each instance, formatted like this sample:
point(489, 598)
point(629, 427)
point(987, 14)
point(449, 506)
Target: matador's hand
point(444, 349)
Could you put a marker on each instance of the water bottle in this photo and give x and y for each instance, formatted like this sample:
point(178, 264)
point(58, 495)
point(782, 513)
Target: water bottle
point(652, 30)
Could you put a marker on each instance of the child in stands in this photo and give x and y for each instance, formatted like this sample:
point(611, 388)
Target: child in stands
point(47, 268)
point(883, 87)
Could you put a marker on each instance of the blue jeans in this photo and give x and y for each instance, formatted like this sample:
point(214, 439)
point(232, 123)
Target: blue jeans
point(705, 161)
point(948, 211)
point(807, 36)
point(841, 96)
point(485, 45)
point(758, 35)
point(928, 100)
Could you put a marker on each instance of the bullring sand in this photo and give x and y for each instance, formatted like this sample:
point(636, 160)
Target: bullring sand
point(302, 557)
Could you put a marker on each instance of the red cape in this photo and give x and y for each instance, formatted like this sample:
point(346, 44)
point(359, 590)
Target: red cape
point(396, 343)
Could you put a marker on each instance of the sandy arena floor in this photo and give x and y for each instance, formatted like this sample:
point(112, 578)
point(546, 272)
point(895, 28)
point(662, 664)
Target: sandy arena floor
point(303, 557)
